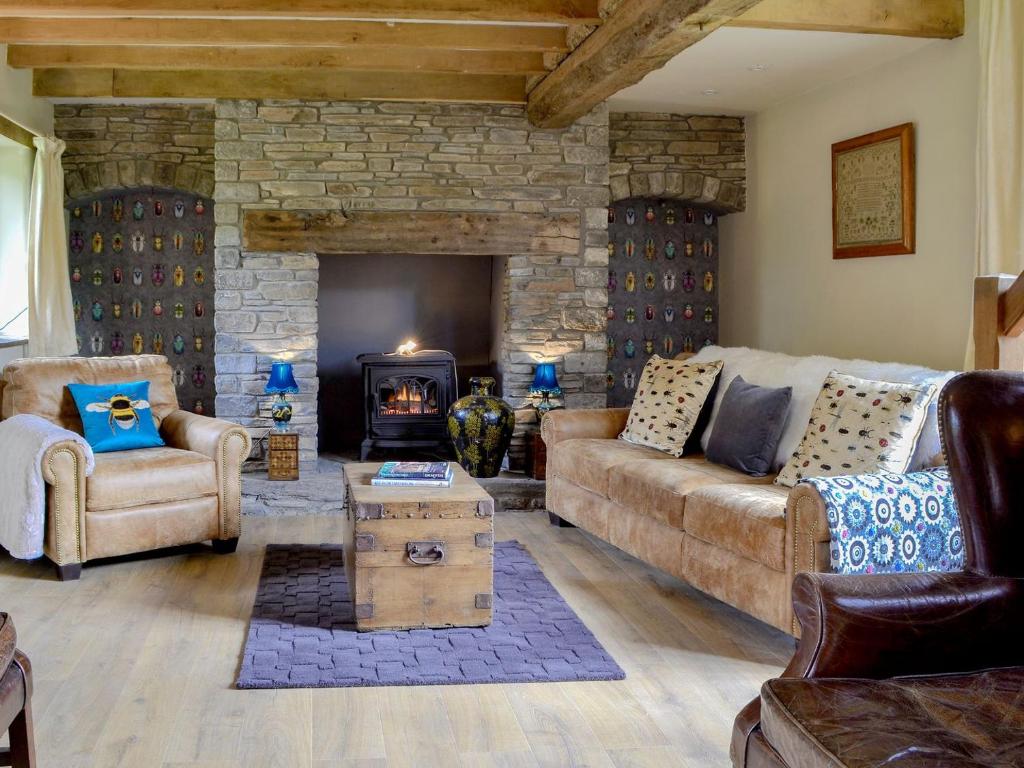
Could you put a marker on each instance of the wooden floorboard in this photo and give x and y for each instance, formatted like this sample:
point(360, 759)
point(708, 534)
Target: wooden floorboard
point(135, 665)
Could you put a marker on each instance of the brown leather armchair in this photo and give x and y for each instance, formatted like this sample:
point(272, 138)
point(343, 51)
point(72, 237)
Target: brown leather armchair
point(189, 490)
point(15, 699)
point(916, 669)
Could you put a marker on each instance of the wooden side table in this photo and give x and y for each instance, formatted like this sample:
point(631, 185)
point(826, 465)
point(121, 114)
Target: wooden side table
point(536, 456)
point(283, 456)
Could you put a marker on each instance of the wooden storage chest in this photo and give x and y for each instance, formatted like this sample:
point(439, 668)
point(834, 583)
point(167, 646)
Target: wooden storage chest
point(418, 557)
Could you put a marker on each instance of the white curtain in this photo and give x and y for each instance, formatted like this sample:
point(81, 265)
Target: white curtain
point(51, 322)
point(1000, 237)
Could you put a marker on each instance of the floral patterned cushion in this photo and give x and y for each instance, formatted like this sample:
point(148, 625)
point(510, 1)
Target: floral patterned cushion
point(668, 403)
point(891, 523)
point(859, 426)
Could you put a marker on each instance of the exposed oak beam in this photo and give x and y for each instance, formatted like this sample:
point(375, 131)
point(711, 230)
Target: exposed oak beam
point(15, 132)
point(209, 57)
point(418, 232)
point(275, 84)
point(550, 11)
point(242, 32)
point(910, 18)
point(638, 38)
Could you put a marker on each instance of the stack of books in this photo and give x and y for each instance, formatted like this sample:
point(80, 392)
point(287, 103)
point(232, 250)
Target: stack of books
point(418, 474)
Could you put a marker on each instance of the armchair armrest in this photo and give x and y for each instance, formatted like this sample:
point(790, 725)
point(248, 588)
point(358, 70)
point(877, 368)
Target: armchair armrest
point(880, 626)
point(572, 424)
point(228, 444)
point(64, 465)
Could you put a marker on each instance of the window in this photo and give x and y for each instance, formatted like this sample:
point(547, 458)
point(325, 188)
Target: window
point(15, 187)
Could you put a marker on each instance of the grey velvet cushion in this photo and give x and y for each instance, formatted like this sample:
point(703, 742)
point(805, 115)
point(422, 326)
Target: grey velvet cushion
point(749, 426)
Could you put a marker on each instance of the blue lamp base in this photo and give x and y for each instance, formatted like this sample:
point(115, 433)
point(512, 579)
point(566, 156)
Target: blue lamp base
point(281, 413)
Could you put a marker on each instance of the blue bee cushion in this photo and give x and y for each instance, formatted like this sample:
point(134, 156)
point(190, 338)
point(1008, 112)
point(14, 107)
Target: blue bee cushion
point(116, 417)
point(889, 523)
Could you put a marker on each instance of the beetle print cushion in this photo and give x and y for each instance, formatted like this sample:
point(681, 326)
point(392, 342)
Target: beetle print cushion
point(888, 523)
point(668, 403)
point(859, 426)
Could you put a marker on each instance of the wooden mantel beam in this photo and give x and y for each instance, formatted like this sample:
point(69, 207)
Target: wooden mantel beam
point(537, 11)
point(909, 18)
point(416, 232)
point(641, 36)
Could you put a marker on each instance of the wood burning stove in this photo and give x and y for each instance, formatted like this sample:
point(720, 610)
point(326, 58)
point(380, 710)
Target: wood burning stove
point(407, 398)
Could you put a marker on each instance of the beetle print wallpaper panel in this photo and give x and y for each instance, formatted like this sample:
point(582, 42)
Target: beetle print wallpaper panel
point(662, 286)
point(141, 264)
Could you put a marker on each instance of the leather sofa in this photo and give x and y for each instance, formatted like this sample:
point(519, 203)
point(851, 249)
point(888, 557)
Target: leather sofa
point(916, 669)
point(184, 492)
point(740, 539)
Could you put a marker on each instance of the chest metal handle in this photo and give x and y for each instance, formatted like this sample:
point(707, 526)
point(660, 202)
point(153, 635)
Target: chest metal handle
point(425, 552)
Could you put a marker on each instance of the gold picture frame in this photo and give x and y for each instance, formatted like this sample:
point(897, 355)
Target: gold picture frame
point(873, 207)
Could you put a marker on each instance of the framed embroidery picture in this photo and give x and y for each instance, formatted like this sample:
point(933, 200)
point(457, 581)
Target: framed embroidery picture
point(873, 194)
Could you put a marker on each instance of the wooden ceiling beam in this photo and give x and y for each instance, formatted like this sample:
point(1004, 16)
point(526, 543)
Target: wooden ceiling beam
point(639, 37)
point(535, 11)
point(209, 57)
point(909, 18)
point(291, 32)
point(277, 84)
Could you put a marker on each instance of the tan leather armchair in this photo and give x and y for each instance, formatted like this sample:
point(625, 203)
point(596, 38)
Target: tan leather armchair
point(189, 490)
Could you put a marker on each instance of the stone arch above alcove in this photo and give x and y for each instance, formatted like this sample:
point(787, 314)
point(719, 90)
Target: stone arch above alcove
point(687, 186)
point(93, 178)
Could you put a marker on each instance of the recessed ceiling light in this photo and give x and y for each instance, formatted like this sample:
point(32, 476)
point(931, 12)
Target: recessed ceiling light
point(757, 67)
point(710, 92)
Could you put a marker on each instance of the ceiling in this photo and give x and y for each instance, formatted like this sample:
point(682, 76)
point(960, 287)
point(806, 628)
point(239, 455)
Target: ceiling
point(794, 62)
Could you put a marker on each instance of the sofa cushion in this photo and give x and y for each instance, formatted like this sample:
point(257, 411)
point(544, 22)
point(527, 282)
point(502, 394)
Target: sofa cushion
point(968, 720)
point(859, 426)
point(669, 403)
point(149, 476)
point(659, 489)
point(587, 461)
point(749, 426)
point(748, 519)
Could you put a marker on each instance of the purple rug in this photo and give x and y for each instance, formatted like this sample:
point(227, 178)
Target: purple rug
point(301, 633)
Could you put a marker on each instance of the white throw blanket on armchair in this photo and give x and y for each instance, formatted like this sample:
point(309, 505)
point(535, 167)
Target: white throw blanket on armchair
point(23, 441)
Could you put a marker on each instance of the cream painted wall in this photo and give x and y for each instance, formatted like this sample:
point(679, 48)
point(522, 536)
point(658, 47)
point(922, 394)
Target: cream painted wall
point(17, 102)
point(781, 289)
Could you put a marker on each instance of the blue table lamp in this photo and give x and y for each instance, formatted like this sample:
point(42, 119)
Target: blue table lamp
point(545, 384)
point(281, 383)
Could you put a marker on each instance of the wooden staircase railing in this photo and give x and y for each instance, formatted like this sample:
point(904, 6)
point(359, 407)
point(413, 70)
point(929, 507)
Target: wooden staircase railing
point(999, 322)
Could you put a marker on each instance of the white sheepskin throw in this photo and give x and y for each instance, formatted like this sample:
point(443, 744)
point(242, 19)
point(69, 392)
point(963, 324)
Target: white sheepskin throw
point(23, 441)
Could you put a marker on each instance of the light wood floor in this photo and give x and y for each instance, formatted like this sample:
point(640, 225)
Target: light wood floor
point(134, 666)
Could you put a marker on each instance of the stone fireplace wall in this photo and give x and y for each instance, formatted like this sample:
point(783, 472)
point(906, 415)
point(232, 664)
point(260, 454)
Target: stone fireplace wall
point(395, 156)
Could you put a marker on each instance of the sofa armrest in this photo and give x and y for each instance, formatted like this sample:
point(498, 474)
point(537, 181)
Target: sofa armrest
point(880, 626)
point(807, 532)
point(64, 467)
point(571, 424)
point(228, 444)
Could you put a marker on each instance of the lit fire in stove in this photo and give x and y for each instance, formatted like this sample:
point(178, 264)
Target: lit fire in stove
point(407, 400)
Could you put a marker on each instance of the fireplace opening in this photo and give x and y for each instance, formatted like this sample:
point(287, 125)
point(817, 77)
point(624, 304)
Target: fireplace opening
point(369, 304)
point(408, 396)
